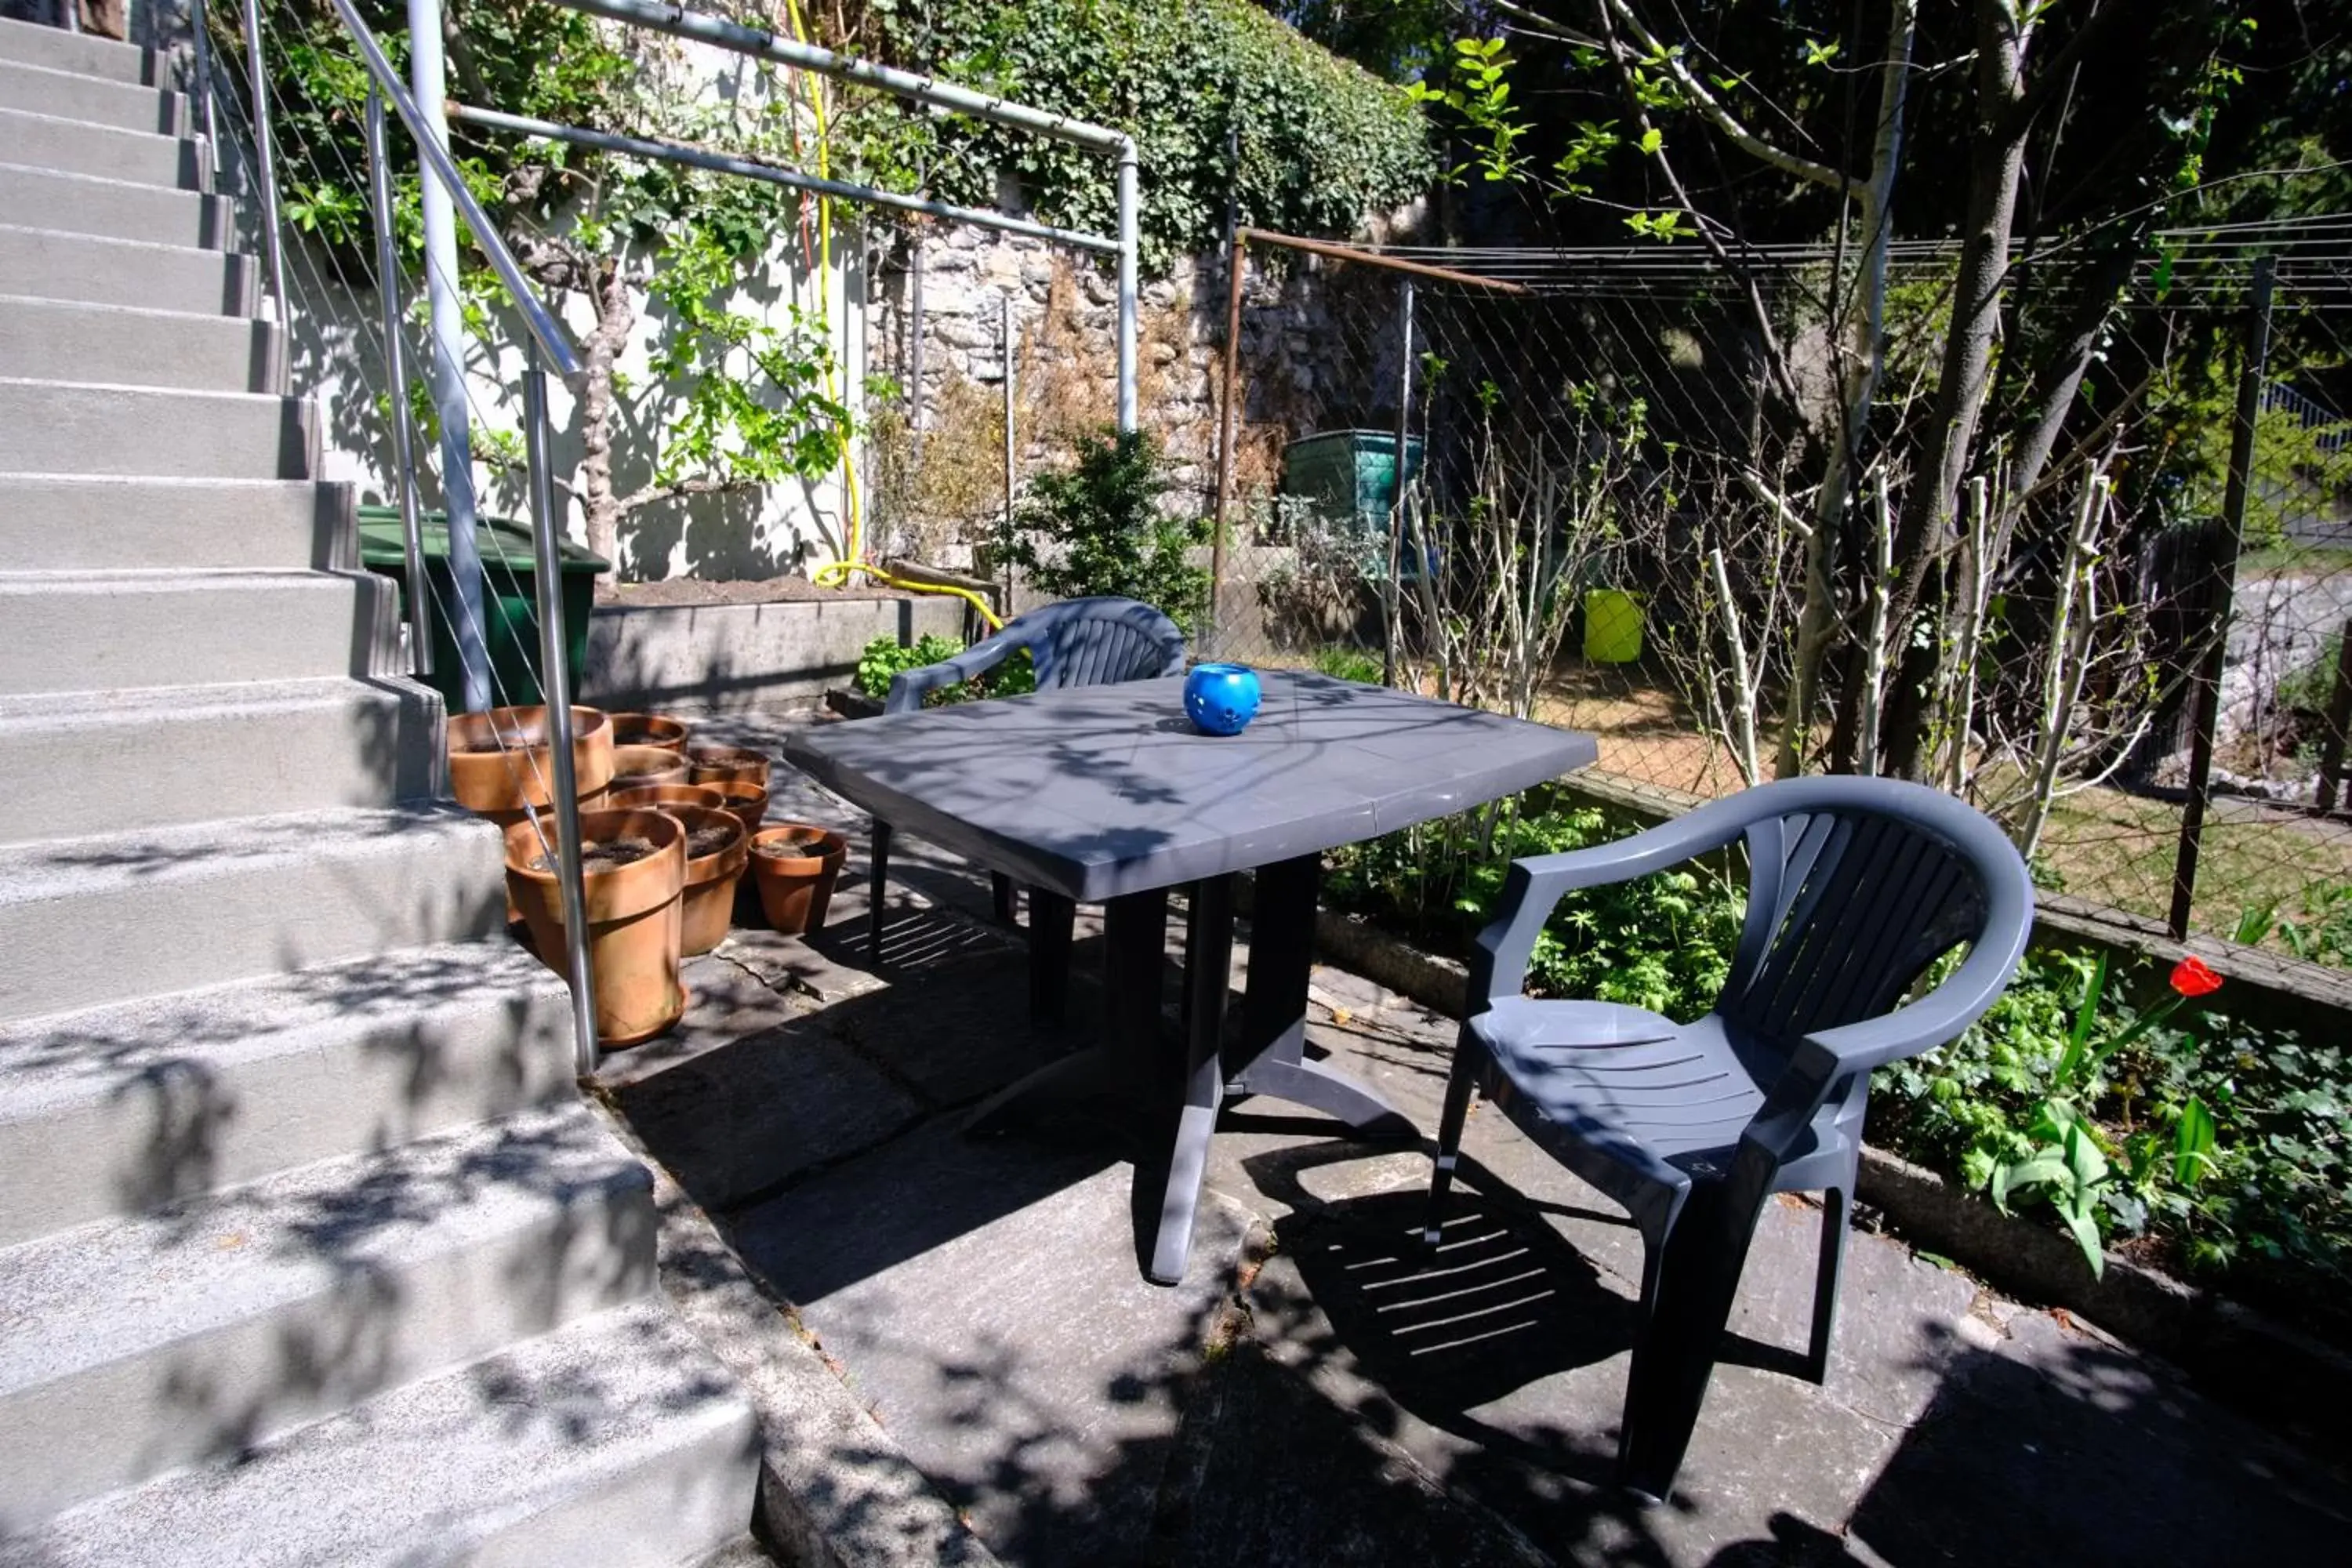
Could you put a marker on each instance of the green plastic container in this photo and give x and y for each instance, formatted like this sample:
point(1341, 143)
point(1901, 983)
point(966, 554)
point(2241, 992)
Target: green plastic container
point(510, 602)
point(1350, 478)
point(1613, 626)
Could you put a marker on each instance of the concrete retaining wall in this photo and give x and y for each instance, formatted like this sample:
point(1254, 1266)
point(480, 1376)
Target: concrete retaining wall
point(732, 658)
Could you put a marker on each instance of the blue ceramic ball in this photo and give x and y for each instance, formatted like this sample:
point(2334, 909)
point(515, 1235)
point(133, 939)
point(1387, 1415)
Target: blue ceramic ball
point(1220, 699)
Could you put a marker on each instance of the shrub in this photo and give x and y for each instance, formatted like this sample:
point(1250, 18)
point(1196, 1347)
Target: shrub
point(1096, 528)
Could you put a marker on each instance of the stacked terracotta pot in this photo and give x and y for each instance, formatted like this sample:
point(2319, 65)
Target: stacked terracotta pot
point(668, 833)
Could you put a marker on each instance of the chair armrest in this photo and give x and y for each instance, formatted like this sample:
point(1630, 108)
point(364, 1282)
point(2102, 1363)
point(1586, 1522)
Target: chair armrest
point(1534, 887)
point(910, 687)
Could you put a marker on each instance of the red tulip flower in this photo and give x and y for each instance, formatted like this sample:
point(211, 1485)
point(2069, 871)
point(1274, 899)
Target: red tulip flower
point(2193, 978)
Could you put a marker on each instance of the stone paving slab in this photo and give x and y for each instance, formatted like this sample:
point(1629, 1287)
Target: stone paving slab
point(1317, 1391)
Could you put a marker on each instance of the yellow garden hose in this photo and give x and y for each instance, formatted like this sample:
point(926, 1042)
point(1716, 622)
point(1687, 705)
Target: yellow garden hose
point(834, 572)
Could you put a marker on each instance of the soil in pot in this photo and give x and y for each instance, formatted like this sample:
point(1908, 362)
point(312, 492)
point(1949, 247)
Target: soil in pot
point(634, 876)
point(728, 764)
point(650, 730)
point(748, 802)
point(797, 865)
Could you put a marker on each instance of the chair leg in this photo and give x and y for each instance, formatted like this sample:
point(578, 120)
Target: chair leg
point(878, 882)
point(1459, 1085)
point(1836, 1212)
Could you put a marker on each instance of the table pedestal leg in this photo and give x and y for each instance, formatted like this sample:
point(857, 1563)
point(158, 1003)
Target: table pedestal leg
point(1125, 1063)
point(1209, 945)
point(1270, 1059)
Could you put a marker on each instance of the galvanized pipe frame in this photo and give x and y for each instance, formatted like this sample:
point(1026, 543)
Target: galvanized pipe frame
point(747, 168)
point(762, 44)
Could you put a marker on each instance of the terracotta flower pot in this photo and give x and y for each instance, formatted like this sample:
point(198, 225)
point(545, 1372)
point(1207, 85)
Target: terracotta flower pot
point(748, 802)
point(634, 767)
point(661, 797)
point(650, 730)
point(795, 865)
point(709, 907)
point(727, 764)
point(634, 918)
point(500, 761)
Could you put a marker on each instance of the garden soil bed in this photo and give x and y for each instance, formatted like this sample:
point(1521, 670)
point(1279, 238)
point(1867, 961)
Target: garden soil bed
point(2238, 1355)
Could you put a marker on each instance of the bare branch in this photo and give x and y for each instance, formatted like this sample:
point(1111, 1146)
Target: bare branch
point(682, 490)
point(1707, 104)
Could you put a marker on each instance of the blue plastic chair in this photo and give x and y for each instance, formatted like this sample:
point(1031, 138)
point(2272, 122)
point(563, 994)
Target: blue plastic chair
point(1856, 886)
point(1097, 641)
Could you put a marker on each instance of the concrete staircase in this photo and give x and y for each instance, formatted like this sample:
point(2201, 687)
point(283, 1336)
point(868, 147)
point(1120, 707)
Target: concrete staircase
point(309, 1251)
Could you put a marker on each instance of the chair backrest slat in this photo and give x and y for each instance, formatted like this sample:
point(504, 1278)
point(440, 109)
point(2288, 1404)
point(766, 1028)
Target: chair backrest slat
point(1099, 641)
point(1846, 906)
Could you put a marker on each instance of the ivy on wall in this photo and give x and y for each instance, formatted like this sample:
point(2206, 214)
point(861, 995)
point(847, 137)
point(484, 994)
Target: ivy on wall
point(1322, 141)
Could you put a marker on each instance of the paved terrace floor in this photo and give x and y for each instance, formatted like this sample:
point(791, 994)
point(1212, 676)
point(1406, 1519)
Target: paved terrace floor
point(1317, 1391)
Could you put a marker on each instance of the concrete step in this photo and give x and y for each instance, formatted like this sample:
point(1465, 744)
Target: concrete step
point(93, 101)
point(50, 264)
point(618, 1442)
point(96, 428)
point(113, 209)
point(85, 922)
point(49, 142)
point(70, 340)
point(193, 753)
point(109, 631)
point(36, 44)
point(138, 1345)
point(96, 522)
point(116, 1111)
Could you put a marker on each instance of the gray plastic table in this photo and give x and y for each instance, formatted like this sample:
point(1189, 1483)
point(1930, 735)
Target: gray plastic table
point(1107, 794)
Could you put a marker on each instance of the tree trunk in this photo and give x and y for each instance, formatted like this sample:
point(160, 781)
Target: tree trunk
point(614, 317)
point(1949, 439)
point(1866, 325)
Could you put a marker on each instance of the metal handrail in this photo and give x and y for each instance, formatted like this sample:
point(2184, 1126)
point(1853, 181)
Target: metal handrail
point(544, 331)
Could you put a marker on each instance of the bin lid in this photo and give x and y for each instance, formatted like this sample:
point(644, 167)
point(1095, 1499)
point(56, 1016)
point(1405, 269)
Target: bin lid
point(502, 541)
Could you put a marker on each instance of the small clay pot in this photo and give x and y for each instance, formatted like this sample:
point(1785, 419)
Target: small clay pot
point(727, 764)
point(634, 767)
point(650, 730)
point(796, 885)
point(634, 918)
point(709, 907)
point(500, 763)
point(661, 797)
point(748, 802)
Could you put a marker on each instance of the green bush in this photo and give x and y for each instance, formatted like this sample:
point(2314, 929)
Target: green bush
point(1662, 942)
point(881, 660)
point(1322, 142)
point(2269, 1208)
point(1097, 528)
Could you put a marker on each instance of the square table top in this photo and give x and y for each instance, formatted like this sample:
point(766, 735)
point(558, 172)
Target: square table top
point(1095, 791)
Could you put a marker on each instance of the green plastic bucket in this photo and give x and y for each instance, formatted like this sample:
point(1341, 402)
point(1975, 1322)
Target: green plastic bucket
point(1613, 626)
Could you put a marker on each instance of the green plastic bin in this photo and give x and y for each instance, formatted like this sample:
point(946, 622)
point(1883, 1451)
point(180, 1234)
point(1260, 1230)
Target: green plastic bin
point(510, 602)
point(1350, 478)
point(1613, 626)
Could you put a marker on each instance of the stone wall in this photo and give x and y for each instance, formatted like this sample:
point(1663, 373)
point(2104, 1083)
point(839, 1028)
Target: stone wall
point(1304, 368)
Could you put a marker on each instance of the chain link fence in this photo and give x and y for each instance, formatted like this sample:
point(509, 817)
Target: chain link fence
point(1610, 462)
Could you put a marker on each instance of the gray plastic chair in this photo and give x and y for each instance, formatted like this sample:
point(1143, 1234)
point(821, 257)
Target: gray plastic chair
point(1856, 886)
point(1097, 641)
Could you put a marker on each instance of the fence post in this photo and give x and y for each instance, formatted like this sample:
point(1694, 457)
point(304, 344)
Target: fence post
point(1396, 512)
point(1237, 268)
point(2340, 719)
point(2208, 694)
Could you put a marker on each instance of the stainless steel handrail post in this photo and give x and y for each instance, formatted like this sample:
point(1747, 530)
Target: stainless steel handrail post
point(265, 171)
point(395, 360)
point(555, 685)
point(200, 45)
